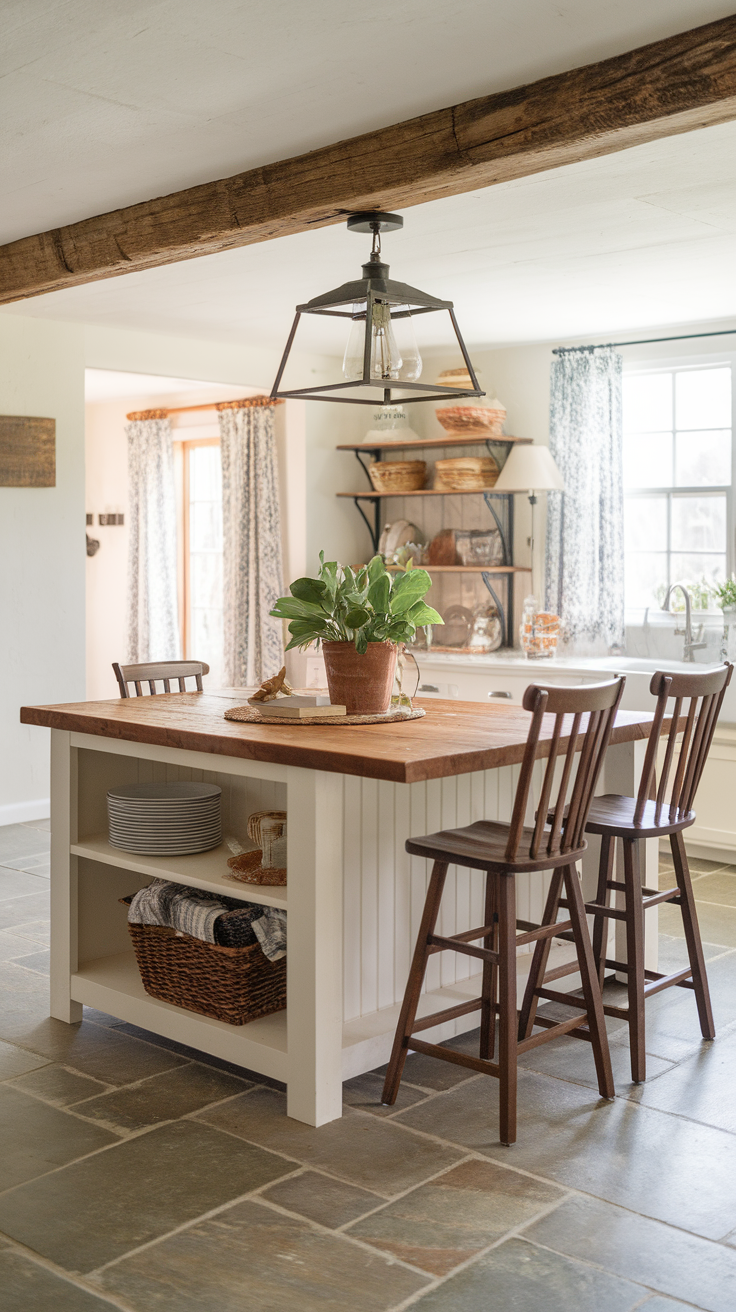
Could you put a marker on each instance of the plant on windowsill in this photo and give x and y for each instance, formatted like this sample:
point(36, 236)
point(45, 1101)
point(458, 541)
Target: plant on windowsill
point(360, 618)
point(725, 594)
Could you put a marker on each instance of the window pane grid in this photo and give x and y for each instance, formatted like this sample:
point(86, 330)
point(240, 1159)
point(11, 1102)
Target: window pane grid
point(677, 479)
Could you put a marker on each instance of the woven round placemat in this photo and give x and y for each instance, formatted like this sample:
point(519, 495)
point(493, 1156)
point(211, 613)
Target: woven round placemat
point(248, 715)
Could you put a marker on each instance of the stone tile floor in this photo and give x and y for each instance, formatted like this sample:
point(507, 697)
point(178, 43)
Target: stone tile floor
point(136, 1174)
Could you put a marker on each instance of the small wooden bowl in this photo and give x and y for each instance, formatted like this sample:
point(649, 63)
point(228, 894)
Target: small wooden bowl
point(398, 475)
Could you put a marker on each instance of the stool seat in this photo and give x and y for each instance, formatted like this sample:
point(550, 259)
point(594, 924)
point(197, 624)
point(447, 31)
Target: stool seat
point(613, 814)
point(483, 846)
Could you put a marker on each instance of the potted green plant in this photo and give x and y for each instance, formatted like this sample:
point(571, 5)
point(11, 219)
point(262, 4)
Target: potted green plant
point(360, 617)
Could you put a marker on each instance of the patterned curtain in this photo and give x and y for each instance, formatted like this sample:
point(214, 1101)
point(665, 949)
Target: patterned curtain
point(585, 524)
point(153, 622)
point(251, 542)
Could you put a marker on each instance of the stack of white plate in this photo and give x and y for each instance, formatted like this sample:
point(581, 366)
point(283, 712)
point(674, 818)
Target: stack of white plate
point(164, 819)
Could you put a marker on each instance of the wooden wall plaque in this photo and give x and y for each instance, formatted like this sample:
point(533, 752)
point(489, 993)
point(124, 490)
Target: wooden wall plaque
point(27, 451)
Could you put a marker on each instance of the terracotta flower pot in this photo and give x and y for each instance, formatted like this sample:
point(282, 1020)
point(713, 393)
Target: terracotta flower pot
point(362, 684)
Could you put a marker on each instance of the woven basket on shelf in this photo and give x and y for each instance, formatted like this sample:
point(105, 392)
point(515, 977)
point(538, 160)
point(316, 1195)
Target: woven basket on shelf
point(231, 984)
point(398, 475)
point(465, 474)
point(473, 420)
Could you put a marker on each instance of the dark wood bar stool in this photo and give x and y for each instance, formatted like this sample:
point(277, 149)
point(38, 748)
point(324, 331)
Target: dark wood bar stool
point(503, 851)
point(655, 812)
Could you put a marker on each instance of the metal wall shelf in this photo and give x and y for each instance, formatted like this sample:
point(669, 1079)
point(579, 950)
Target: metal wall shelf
point(451, 439)
point(504, 521)
point(471, 569)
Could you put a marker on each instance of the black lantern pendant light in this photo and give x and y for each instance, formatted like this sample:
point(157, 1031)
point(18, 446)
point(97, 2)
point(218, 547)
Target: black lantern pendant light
point(382, 363)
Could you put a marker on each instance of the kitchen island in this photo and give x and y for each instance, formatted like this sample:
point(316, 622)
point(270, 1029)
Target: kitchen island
point(354, 794)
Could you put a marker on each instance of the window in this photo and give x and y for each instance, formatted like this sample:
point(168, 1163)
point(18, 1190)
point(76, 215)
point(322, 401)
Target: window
point(677, 480)
point(200, 583)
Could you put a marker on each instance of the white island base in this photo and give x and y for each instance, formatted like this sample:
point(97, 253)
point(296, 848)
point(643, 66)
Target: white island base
point(354, 899)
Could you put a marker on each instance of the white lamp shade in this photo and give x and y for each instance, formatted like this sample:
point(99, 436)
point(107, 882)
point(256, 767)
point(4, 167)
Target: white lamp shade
point(529, 468)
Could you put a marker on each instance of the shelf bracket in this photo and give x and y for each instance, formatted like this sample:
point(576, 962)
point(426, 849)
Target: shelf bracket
point(489, 503)
point(369, 451)
point(505, 618)
point(375, 528)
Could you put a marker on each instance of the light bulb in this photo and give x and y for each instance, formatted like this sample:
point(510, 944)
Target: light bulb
point(386, 358)
point(385, 355)
point(394, 351)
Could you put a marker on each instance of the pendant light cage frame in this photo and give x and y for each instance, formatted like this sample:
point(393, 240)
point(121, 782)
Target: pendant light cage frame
point(375, 288)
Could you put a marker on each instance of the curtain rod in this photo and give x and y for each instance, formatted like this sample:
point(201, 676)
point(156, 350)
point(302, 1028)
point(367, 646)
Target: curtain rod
point(645, 341)
point(245, 403)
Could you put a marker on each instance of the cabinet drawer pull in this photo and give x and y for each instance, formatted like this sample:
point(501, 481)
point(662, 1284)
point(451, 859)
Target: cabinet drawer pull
point(506, 695)
point(429, 687)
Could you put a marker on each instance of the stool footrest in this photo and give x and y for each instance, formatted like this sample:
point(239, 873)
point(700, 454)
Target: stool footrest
point(683, 982)
point(652, 897)
point(552, 995)
point(455, 1058)
point(544, 931)
point(449, 1013)
point(596, 909)
point(551, 1030)
point(569, 968)
point(576, 1032)
point(666, 981)
point(437, 943)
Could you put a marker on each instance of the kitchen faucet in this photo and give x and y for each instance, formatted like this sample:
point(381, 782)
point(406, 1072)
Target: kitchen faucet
point(690, 645)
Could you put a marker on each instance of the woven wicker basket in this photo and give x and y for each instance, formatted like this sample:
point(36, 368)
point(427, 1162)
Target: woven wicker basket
point(231, 984)
point(475, 420)
point(398, 475)
point(465, 474)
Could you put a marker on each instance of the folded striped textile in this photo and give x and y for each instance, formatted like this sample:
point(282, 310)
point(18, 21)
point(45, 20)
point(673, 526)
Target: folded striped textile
point(207, 916)
point(271, 932)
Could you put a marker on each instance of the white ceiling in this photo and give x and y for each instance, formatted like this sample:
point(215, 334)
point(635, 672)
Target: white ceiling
point(103, 105)
point(643, 237)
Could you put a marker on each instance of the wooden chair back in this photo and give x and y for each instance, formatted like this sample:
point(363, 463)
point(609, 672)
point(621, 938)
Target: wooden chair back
point(567, 813)
point(153, 672)
point(705, 693)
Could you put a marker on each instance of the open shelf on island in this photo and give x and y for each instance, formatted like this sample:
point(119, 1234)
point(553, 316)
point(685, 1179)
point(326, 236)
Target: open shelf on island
point(451, 439)
point(113, 984)
point(206, 870)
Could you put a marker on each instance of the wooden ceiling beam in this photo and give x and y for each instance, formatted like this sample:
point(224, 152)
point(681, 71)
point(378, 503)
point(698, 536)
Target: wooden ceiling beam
point(676, 85)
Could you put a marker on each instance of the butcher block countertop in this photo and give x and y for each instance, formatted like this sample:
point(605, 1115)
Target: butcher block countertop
point(453, 738)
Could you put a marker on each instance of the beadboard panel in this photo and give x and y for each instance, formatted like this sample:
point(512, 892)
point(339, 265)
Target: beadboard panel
point(385, 887)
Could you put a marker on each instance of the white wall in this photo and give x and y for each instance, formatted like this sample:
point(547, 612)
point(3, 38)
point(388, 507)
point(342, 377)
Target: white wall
point(330, 522)
point(42, 554)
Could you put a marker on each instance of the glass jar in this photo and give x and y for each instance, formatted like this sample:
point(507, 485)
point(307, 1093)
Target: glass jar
point(728, 642)
point(390, 423)
point(538, 632)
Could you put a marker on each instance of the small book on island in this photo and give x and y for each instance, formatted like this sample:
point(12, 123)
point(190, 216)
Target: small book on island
point(310, 706)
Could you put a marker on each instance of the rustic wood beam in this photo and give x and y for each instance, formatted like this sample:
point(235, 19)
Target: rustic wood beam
point(684, 82)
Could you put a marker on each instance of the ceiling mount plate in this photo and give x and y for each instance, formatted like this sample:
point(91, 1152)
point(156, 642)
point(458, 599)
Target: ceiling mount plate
point(375, 221)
